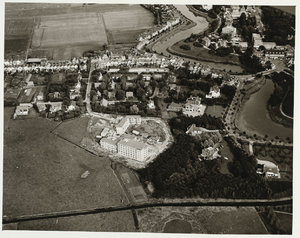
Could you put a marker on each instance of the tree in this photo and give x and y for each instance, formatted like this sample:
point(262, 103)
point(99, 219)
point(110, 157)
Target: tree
point(120, 95)
point(140, 92)
point(134, 109)
point(103, 86)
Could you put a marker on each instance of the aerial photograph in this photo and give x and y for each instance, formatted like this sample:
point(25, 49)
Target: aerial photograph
point(148, 118)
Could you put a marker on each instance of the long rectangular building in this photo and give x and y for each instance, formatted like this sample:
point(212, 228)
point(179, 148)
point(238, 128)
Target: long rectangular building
point(133, 149)
point(108, 144)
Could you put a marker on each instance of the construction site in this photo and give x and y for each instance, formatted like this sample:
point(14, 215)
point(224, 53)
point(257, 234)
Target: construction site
point(132, 140)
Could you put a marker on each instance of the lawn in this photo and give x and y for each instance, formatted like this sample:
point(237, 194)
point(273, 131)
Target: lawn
point(42, 172)
point(73, 130)
point(286, 221)
point(215, 110)
point(26, 95)
point(225, 151)
point(281, 156)
point(202, 53)
point(121, 221)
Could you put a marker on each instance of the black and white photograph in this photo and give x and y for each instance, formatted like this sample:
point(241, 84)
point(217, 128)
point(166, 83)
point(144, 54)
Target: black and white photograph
point(148, 118)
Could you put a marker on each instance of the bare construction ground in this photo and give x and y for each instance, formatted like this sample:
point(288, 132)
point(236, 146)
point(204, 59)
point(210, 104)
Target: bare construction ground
point(42, 173)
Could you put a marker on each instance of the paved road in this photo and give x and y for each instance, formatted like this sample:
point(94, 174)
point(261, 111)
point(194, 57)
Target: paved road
point(153, 203)
point(88, 90)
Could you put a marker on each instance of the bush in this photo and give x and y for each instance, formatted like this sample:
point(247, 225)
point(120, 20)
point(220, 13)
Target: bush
point(197, 44)
point(185, 47)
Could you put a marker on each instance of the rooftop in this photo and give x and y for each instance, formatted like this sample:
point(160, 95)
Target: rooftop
point(122, 122)
point(131, 143)
point(113, 142)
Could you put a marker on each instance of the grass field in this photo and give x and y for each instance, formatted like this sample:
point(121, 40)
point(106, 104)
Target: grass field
point(205, 220)
point(202, 53)
point(286, 221)
point(26, 95)
point(42, 172)
point(73, 130)
point(215, 110)
point(106, 222)
point(64, 31)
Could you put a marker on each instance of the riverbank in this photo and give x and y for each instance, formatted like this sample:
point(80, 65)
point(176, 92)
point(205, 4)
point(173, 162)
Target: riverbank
point(199, 53)
point(199, 13)
point(278, 117)
point(254, 117)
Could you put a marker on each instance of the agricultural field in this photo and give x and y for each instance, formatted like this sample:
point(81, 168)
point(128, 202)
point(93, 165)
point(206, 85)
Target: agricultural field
point(42, 172)
point(204, 220)
point(121, 221)
point(64, 31)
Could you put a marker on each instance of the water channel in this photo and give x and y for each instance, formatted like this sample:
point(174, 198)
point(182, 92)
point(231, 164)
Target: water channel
point(201, 25)
point(254, 117)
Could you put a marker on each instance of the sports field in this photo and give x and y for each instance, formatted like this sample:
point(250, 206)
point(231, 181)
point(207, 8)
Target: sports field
point(63, 31)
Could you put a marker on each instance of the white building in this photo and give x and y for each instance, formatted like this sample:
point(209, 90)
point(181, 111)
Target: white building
point(122, 126)
point(133, 149)
point(108, 144)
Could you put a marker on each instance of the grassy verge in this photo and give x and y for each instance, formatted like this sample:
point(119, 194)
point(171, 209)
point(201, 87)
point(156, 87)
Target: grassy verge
point(200, 53)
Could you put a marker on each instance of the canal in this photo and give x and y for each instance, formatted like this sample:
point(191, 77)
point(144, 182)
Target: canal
point(254, 117)
point(202, 24)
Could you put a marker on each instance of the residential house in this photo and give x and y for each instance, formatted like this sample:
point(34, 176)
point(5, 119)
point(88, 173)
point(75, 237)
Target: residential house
point(205, 41)
point(175, 107)
point(269, 45)
point(57, 95)
point(193, 107)
point(210, 153)
point(207, 7)
point(151, 104)
point(275, 54)
point(214, 92)
point(30, 84)
point(257, 41)
point(103, 102)
point(111, 94)
point(267, 169)
point(40, 96)
point(229, 30)
point(22, 110)
point(129, 95)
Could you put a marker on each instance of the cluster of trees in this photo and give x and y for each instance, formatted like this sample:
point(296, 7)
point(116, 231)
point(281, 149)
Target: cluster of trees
point(185, 47)
point(273, 223)
point(127, 108)
point(62, 88)
point(278, 25)
point(178, 173)
point(283, 82)
point(222, 51)
point(181, 123)
point(245, 27)
point(281, 188)
point(251, 62)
